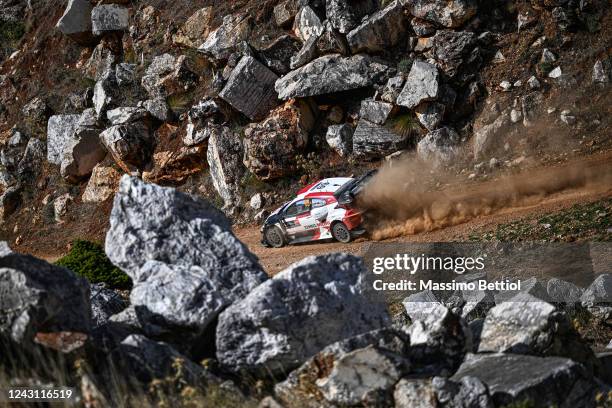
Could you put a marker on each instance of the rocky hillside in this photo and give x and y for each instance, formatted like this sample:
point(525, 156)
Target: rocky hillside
point(230, 100)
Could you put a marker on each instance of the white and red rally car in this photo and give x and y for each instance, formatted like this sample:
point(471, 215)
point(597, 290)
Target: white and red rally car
point(322, 210)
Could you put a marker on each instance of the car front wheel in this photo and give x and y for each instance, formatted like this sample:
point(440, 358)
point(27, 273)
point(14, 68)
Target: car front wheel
point(341, 233)
point(274, 237)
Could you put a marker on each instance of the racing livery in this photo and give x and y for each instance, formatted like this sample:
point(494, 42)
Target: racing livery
point(322, 210)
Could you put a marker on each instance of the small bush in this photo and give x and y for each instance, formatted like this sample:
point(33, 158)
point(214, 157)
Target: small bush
point(88, 259)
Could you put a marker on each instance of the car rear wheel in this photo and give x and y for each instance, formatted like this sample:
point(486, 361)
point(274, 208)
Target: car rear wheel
point(274, 237)
point(341, 233)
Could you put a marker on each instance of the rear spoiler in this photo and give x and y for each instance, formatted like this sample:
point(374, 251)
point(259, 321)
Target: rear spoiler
point(347, 193)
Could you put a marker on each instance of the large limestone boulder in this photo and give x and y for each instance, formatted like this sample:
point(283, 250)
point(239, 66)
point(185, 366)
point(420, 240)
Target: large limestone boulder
point(60, 133)
point(450, 14)
point(345, 15)
point(222, 42)
point(108, 18)
point(440, 147)
point(330, 74)
point(277, 55)
point(38, 297)
point(374, 141)
point(542, 381)
point(380, 31)
point(250, 89)
point(271, 146)
point(224, 157)
point(185, 262)
point(599, 292)
point(292, 316)
point(285, 12)
point(76, 21)
point(490, 137)
point(423, 84)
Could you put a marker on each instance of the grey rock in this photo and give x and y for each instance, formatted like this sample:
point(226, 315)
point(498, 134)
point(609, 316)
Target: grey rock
point(147, 360)
point(468, 392)
point(440, 147)
point(555, 73)
point(380, 31)
point(450, 14)
point(224, 156)
point(105, 93)
point(105, 302)
point(307, 24)
point(199, 116)
point(179, 301)
point(257, 201)
point(531, 286)
point(414, 393)
point(285, 12)
point(40, 297)
point(531, 105)
point(489, 137)
point(524, 324)
point(124, 115)
point(278, 54)
point(438, 341)
point(331, 41)
point(223, 41)
point(109, 17)
point(422, 28)
point(599, 292)
point(600, 74)
point(547, 57)
point(393, 88)
point(376, 112)
point(31, 162)
point(452, 49)
point(340, 138)
point(101, 61)
point(560, 291)
point(10, 200)
point(279, 323)
point(83, 151)
point(158, 108)
point(391, 341)
point(330, 74)
point(430, 114)
point(125, 73)
point(422, 85)
point(190, 233)
point(361, 376)
point(420, 305)
point(518, 378)
point(168, 75)
point(375, 141)
point(346, 15)
point(60, 133)
point(76, 20)
point(131, 145)
point(307, 53)
point(250, 89)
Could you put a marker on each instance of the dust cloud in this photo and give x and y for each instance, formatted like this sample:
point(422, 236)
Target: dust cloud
point(409, 196)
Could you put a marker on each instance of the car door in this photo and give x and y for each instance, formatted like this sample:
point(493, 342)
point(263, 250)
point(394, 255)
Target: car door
point(298, 221)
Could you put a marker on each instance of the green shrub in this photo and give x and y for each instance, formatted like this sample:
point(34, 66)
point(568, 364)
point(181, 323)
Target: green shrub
point(88, 259)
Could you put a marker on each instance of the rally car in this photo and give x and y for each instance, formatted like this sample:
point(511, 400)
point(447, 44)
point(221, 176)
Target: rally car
point(322, 210)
